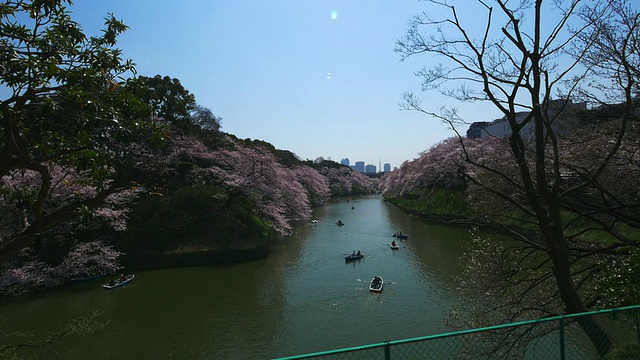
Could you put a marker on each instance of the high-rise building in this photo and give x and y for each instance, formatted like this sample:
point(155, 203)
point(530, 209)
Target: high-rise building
point(360, 166)
point(387, 167)
point(345, 161)
point(370, 169)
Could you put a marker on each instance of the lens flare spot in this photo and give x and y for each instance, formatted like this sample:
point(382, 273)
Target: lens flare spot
point(334, 14)
point(328, 76)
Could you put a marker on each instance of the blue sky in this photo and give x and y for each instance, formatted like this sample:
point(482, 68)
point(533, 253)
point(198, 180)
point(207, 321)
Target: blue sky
point(287, 71)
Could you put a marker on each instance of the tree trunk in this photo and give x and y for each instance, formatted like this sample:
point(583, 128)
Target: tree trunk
point(598, 336)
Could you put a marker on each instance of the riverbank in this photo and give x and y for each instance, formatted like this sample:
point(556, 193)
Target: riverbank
point(447, 207)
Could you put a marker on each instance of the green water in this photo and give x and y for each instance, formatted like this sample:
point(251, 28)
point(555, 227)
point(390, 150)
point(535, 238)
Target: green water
point(302, 298)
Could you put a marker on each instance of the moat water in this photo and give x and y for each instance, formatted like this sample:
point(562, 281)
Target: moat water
point(302, 298)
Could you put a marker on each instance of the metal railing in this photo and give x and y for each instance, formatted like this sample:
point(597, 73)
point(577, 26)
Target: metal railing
point(605, 334)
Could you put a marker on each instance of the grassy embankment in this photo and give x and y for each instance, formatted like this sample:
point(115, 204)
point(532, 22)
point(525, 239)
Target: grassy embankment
point(435, 204)
point(452, 206)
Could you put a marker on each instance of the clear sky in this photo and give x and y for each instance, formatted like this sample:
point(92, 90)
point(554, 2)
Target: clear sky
point(315, 77)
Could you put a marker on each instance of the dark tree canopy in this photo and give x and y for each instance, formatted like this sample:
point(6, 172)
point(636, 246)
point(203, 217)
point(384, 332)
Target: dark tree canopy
point(167, 99)
point(205, 119)
point(170, 102)
point(66, 107)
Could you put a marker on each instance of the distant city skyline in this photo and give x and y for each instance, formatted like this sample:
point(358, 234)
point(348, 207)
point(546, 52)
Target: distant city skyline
point(364, 167)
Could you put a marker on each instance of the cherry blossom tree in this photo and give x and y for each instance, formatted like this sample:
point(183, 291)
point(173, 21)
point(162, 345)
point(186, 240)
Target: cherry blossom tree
point(339, 181)
point(27, 276)
point(26, 273)
point(361, 183)
point(281, 194)
point(440, 166)
point(279, 197)
point(67, 193)
point(255, 173)
point(88, 259)
point(345, 181)
point(316, 185)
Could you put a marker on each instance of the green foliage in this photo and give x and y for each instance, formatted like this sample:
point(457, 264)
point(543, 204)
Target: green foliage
point(324, 164)
point(329, 164)
point(64, 89)
point(287, 158)
point(435, 202)
point(65, 103)
point(169, 103)
point(166, 98)
point(203, 215)
point(628, 352)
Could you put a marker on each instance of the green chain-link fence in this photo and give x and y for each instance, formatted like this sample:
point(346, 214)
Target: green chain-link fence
point(606, 334)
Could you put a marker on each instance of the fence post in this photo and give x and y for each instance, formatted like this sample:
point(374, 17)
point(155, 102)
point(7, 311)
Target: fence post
point(387, 350)
point(562, 352)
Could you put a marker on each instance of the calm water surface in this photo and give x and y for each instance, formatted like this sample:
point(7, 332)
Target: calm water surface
point(303, 298)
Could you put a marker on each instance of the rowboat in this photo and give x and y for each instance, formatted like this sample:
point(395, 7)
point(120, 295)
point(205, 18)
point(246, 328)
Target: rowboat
point(394, 245)
point(353, 257)
point(400, 235)
point(376, 284)
point(119, 282)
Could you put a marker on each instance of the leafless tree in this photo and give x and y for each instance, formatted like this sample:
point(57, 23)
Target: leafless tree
point(526, 53)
